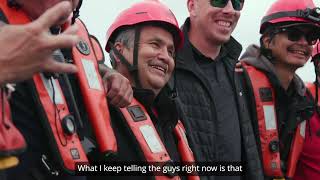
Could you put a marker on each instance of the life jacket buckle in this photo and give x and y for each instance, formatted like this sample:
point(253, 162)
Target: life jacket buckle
point(274, 146)
point(44, 160)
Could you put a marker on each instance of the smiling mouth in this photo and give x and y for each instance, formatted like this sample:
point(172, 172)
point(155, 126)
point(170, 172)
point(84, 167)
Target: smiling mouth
point(300, 52)
point(224, 24)
point(160, 68)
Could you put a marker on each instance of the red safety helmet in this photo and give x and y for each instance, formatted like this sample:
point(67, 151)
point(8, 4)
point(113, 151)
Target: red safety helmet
point(291, 11)
point(142, 12)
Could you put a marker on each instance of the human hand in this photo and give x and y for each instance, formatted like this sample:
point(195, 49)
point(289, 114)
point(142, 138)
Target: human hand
point(238, 68)
point(28, 48)
point(118, 88)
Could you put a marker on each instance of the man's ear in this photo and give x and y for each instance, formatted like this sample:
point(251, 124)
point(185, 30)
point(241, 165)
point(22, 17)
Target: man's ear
point(114, 59)
point(119, 47)
point(191, 7)
point(266, 40)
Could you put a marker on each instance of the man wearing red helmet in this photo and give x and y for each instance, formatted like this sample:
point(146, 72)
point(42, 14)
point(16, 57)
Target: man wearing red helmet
point(142, 42)
point(280, 104)
point(210, 94)
point(57, 112)
point(308, 166)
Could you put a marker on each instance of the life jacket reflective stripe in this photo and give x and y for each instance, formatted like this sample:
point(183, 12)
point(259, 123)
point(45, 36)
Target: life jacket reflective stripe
point(93, 92)
point(267, 124)
point(11, 141)
point(149, 140)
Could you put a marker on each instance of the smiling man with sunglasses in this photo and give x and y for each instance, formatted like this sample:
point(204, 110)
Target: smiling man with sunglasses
point(210, 96)
point(308, 166)
point(280, 104)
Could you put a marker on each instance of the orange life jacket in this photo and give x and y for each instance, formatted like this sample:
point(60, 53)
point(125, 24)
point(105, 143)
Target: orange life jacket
point(312, 89)
point(56, 119)
point(149, 140)
point(92, 89)
point(11, 140)
point(268, 131)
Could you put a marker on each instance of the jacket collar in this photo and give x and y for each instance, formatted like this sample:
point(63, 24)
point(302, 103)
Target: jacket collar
point(144, 96)
point(163, 104)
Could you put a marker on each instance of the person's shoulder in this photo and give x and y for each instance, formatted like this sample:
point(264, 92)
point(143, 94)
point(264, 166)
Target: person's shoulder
point(233, 48)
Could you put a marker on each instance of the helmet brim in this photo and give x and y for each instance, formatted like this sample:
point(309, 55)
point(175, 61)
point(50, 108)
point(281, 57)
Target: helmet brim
point(302, 24)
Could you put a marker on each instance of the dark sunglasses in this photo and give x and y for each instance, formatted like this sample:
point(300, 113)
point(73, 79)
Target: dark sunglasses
point(237, 4)
point(295, 34)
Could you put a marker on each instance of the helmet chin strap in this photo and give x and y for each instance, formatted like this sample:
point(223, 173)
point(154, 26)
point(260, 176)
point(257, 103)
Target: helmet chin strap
point(76, 12)
point(135, 72)
point(132, 68)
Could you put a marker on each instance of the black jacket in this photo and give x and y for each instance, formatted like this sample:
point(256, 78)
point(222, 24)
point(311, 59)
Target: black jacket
point(199, 117)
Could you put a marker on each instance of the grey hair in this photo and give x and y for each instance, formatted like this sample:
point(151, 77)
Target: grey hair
point(126, 37)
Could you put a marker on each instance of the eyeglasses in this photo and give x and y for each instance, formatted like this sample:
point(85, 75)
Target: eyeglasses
point(295, 34)
point(237, 4)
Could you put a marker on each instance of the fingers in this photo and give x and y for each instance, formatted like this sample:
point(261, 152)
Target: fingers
point(238, 67)
point(62, 41)
point(238, 64)
point(239, 70)
point(113, 93)
point(67, 39)
point(57, 14)
point(119, 93)
point(122, 101)
point(128, 98)
point(58, 67)
point(72, 30)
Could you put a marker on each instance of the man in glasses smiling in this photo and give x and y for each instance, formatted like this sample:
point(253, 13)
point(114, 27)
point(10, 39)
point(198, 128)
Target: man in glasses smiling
point(308, 166)
point(217, 124)
point(280, 104)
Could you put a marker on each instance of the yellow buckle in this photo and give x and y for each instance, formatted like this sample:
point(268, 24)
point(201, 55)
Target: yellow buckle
point(8, 162)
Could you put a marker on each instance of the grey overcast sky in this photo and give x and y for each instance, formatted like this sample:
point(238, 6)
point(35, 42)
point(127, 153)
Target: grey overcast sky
point(99, 14)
